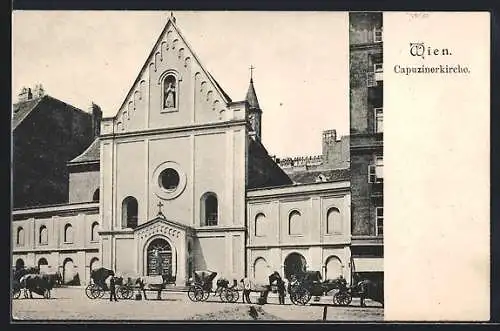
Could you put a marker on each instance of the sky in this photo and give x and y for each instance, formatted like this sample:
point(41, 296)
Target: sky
point(301, 62)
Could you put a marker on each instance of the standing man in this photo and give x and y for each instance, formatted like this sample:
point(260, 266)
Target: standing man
point(112, 288)
point(281, 290)
point(246, 289)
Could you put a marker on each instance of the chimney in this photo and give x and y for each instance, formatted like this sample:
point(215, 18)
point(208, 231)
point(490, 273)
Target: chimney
point(25, 94)
point(96, 119)
point(38, 91)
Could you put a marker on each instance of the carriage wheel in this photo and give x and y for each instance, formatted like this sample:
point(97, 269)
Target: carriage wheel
point(16, 293)
point(234, 295)
point(195, 293)
point(206, 295)
point(302, 296)
point(46, 294)
point(229, 295)
point(88, 291)
point(342, 299)
point(124, 292)
point(130, 293)
point(97, 292)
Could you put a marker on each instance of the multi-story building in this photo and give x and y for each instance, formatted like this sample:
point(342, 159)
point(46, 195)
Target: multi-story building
point(366, 143)
point(179, 179)
point(47, 133)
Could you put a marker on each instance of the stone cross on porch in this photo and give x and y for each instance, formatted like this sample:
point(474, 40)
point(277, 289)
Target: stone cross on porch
point(160, 204)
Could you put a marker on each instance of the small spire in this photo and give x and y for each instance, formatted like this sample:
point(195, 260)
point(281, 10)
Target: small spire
point(251, 97)
point(172, 17)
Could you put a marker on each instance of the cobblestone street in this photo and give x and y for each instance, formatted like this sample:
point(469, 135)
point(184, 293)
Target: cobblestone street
point(72, 304)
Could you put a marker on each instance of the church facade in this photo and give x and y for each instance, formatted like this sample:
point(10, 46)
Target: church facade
point(179, 180)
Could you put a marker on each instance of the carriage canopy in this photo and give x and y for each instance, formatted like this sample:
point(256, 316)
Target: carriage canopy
point(309, 276)
point(204, 276)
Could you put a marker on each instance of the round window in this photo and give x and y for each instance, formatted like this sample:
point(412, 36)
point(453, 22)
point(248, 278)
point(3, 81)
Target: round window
point(169, 179)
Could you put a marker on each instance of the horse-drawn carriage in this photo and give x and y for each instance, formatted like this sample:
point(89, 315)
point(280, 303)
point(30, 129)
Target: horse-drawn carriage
point(202, 284)
point(99, 279)
point(308, 284)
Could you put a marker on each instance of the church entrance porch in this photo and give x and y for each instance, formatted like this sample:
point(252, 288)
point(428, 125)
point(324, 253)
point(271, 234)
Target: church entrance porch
point(162, 249)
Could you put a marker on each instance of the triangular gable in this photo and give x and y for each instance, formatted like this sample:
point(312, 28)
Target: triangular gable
point(163, 220)
point(139, 88)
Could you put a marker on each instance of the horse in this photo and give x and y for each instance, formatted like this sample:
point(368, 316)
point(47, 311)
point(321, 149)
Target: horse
point(40, 284)
point(265, 289)
point(368, 289)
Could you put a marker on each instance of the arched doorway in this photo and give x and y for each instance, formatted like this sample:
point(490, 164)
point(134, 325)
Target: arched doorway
point(68, 271)
point(159, 258)
point(294, 263)
point(19, 264)
point(333, 268)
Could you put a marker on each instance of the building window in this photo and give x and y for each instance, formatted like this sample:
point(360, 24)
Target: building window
point(379, 120)
point(378, 67)
point(295, 223)
point(209, 209)
point(377, 35)
point(94, 235)
point(129, 213)
point(333, 221)
point(260, 226)
point(376, 171)
point(42, 261)
point(68, 233)
point(95, 196)
point(169, 92)
point(43, 235)
point(169, 179)
point(20, 236)
point(379, 212)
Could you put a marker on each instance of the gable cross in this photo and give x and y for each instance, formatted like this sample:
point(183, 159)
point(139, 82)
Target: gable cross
point(159, 208)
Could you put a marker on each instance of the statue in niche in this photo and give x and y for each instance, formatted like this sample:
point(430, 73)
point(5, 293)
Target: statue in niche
point(169, 95)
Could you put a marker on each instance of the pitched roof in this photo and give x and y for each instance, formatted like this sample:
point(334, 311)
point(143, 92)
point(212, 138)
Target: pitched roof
point(22, 109)
point(314, 176)
point(172, 22)
point(91, 154)
point(220, 88)
point(251, 97)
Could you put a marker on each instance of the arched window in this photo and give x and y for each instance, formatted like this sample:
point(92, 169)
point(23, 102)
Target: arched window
point(19, 264)
point(209, 209)
point(260, 226)
point(43, 238)
point(295, 223)
point(129, 212)
point(261, 271)
point(20, 236)
point(169, 92)
point(333, 221)
point(94, 263)
point(94, 235)
point(68, 233)
point(95, 196)
point(333, 268)
point(42, 261)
